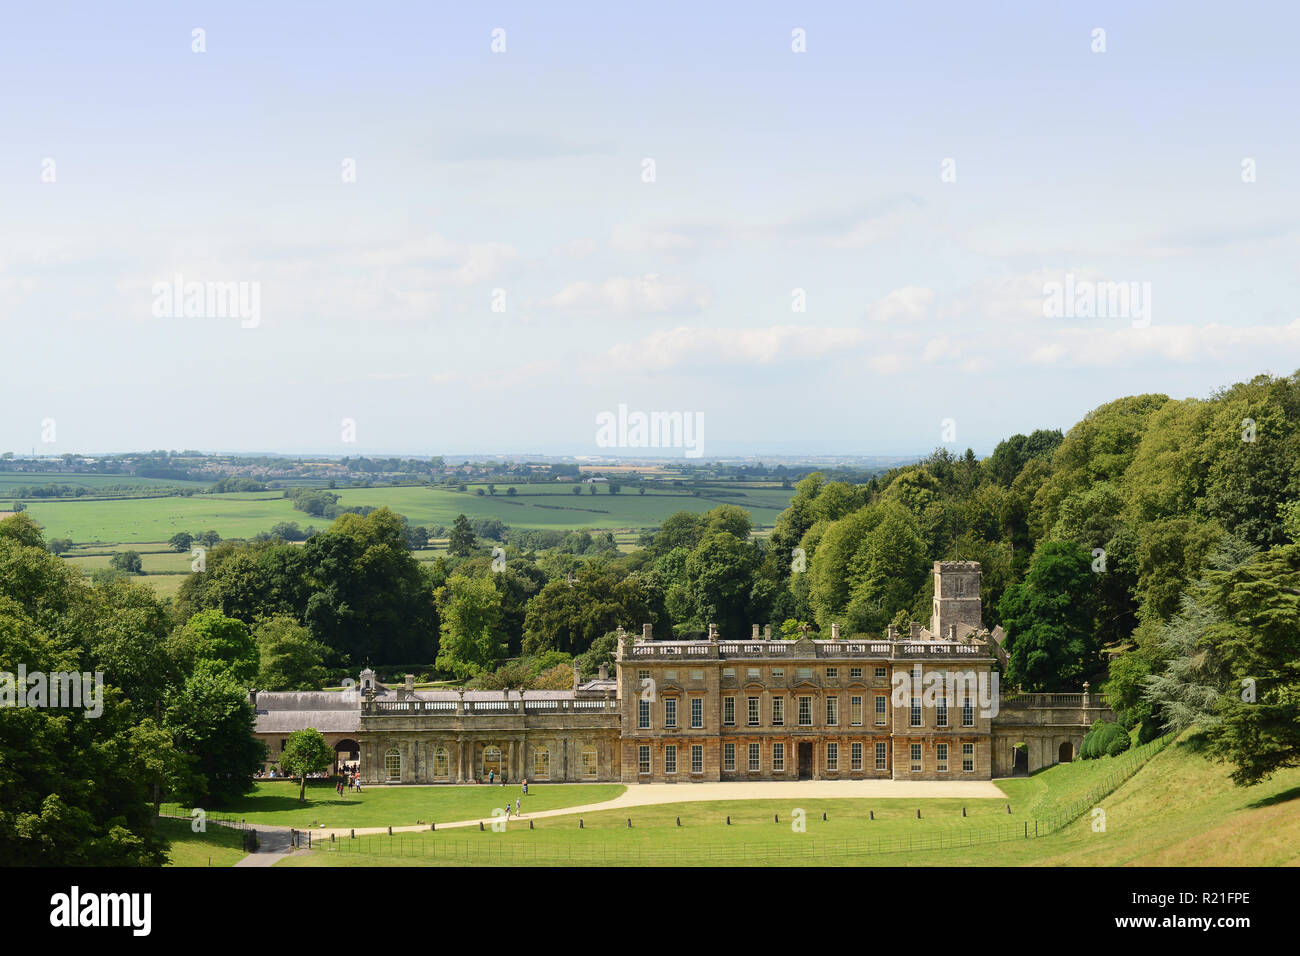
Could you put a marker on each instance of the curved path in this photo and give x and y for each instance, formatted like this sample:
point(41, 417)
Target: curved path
point(653, 794)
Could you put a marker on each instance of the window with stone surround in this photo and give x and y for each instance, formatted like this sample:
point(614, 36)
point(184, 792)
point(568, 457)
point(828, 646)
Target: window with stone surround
point(880, 710)
point(753, 711)
point(393, 766)
point(832, 756)
point(832, 711)
point(855, 756)
point(778, 673)
point(670, 758)
point(697, 758)
point(805, 711)
point(697, 674)
point(670, 712)
point(968, 758)
point(441, 765)
point(697, 713)
point(915, 719)
point(778, 711)
point(916, 758)
point(590, 766)
point(778, 758)
point(941, 713)
point(967, 713)
point(729, 757)
point(941, 757)
point(882, 756)
point(670, 675)
point(855, 673)
point(643, 759)
point(541, 763)
point(855, 711)
point(880, 672)
point(643, 714)
point(729, 711)
point(753, 758)
point(643, 675)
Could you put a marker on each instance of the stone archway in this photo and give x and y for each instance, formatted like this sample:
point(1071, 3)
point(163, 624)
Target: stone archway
point(346, 752)
point(1020, 760)
point(1065, 753)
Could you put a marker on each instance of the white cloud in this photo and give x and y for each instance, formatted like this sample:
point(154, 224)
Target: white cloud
point(692, 346)
point(638, 240)
point(632, 294)
point(1173, 343)
point(908, 304)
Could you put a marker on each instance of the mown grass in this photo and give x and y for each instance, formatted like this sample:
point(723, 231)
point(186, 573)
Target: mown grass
point(275, 803)
point(219, 846)
point(1177, 810)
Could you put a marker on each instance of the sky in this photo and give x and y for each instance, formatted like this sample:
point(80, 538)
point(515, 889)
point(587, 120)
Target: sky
point(475, 228)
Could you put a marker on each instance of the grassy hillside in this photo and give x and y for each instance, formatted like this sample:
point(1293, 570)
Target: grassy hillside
point(1177, 810)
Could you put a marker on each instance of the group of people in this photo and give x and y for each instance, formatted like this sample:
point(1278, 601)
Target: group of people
point(518, 800)
point(350, 780)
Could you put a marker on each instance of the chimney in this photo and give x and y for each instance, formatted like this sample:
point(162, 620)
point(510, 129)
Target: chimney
point(713, 632)
point(647, 632)
point(914, 631)
point(835, 632)
point(576, 675)
point(603, 672)
point(410, 683)
point(767, 632)
point(753, 635)
point(252, 698)
point(952, 632)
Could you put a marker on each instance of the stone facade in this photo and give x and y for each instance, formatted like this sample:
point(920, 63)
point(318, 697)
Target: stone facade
point(924, 706)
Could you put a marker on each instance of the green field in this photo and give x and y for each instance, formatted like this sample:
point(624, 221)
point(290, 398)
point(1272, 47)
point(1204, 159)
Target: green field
point(275, 803)
point(219, 846)
point(136, 521)
point(1178, 809)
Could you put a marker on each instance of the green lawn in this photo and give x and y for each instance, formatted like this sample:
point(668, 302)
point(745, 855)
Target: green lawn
point(276, 803)
point(219, 846)
point(1178, 809)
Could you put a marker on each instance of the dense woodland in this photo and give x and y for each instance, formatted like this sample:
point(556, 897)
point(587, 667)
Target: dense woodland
point(1153, 549)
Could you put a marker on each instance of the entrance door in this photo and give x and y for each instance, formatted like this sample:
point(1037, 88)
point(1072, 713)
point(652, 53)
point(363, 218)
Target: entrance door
point(805, 761)
point(491, 761)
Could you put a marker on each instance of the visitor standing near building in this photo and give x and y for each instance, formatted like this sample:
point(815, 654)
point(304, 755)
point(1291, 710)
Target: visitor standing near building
point(525, 786)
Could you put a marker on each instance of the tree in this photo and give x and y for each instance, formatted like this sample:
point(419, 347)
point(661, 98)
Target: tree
point(470, 609)
point(181, 541)
point(288, 657)
point(128, 562)
point(305, 752)
point(60, 545)
point(1048, 617)
point(225, 642)
point(1259, 639)
point(212, 722)
point(461, 541)
point(511, 492)
point(209, 539)
point(577, 489)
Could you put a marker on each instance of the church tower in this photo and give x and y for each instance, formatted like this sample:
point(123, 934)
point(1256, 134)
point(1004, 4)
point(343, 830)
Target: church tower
point(956, 597)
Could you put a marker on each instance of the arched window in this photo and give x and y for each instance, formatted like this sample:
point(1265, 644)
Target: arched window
point(589, 765)
point(393, 766)
point(541, 762)
point(441, 765)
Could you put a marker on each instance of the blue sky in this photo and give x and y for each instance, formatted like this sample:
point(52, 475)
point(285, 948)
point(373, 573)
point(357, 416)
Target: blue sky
point(519, 175)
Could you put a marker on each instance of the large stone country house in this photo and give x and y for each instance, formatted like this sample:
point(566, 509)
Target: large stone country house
point(925, 705)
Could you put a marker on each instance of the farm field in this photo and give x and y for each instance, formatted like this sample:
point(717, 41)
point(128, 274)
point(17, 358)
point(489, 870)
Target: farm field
point(1178, 809)
point(137, 521)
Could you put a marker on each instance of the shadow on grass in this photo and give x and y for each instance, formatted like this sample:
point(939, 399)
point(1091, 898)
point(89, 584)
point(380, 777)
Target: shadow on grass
point(1283, 797)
